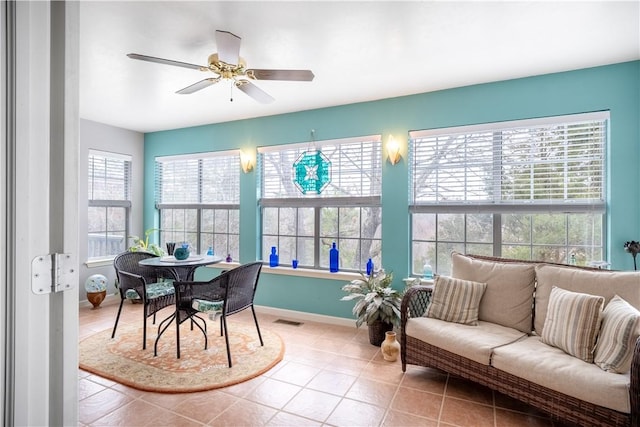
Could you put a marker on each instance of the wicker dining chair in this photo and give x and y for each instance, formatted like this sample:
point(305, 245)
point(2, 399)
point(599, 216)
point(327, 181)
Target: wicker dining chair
point(137, 282)
point(231, 292)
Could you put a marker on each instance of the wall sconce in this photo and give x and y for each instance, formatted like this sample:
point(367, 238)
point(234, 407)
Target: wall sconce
point(393, 150)
point(246, 162)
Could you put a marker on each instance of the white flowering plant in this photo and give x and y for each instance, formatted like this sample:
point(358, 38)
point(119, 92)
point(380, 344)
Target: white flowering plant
point(375, 299)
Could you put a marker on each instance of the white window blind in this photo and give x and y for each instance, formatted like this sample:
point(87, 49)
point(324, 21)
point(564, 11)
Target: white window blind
point(109, 188)
point(205, 178)
point(547, 161)
point(355, 168)
point(109, 176)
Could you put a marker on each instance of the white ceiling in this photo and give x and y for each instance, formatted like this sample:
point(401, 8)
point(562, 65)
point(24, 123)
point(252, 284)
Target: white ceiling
point(358, 51)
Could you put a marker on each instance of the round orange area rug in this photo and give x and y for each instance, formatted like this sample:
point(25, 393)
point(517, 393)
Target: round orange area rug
point(122, 359)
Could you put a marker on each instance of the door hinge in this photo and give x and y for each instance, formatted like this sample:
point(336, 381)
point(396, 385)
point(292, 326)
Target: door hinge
point(52, 273)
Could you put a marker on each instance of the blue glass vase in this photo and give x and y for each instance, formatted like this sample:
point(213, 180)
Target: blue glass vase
point(273, 258)
point(333, 258)
point(369, 267)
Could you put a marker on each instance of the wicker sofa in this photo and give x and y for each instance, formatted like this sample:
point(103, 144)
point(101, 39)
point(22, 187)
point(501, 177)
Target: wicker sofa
point(504, 350)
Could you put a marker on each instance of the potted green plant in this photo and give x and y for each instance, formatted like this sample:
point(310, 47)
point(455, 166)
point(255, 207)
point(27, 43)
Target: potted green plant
point(143, 245)
point(377, 303)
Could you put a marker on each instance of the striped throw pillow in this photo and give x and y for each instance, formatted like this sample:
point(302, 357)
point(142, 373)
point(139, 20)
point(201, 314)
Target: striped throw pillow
point(455, 300)
point(618, 334)
point(573, 322)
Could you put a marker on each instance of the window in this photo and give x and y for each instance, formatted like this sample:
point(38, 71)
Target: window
point(109, 203)
point(346, 212)
point(531, 189)
point(198, 196)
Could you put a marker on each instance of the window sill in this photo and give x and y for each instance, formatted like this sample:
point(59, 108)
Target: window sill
point(99, 262)
point(307, 272)
point(411, 280)
point(299, 272)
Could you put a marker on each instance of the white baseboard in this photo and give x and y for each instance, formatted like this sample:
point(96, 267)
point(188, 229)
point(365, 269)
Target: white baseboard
point(303, 316)
point(279, 312)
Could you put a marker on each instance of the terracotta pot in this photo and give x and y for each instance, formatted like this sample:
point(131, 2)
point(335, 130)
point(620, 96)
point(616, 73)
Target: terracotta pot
point(96, 298)
point(390, 347)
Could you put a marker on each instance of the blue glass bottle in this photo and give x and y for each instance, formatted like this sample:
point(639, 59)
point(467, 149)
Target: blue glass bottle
point(210, 250)
point(273, 258)
point(369, 267)
point(333, 258)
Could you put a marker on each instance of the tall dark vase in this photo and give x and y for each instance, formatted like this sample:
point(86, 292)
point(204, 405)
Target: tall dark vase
point(377, 332)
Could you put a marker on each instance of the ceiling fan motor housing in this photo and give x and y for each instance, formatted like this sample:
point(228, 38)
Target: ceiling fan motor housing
point(226, 71)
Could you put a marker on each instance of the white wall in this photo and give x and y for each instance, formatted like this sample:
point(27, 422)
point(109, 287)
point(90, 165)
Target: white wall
point(98, 136)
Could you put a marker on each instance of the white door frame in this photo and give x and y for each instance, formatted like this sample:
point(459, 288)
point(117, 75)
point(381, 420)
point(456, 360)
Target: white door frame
point(40, 170)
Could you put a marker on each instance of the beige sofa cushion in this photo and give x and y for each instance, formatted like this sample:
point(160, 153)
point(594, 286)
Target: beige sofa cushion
point(552, 368)
point(603, 283)
point(473, 342)
point(508, 298)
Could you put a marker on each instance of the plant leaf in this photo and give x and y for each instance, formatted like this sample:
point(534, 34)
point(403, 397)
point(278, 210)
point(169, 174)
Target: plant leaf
point(351, 297)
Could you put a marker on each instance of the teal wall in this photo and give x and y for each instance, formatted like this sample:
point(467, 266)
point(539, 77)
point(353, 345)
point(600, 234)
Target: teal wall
point(615, 88)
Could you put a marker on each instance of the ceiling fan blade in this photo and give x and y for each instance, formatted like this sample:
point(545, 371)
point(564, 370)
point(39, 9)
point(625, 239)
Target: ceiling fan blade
point(296, 75)
point(228, 47)
point(254, 91)
point(197, 86)
point(167, 62)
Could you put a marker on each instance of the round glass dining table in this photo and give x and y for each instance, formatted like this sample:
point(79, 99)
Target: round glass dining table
point(181, 270)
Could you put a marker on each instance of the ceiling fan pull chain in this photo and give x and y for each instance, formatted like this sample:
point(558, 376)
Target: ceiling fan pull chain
point(231, 92)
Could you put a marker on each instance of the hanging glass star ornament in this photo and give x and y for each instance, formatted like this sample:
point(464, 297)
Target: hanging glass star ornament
point(312, 172)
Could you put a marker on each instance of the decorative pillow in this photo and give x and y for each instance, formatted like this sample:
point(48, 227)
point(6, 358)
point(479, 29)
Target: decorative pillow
point(573, 322)
point(618, 334)
point(455, 300)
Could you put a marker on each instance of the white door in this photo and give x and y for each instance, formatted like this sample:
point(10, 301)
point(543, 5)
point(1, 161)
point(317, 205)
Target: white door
point(40, 211)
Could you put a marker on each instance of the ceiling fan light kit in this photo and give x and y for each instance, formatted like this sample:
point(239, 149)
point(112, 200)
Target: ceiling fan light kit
point(227, 64)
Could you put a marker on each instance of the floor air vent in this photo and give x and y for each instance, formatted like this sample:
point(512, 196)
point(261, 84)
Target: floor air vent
point(288, 322)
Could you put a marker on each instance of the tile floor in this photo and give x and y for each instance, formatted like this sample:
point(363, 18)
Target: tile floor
point(330, 376)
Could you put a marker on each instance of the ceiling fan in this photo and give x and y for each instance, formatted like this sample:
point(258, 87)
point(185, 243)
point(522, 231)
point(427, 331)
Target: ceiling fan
point(228, 65)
